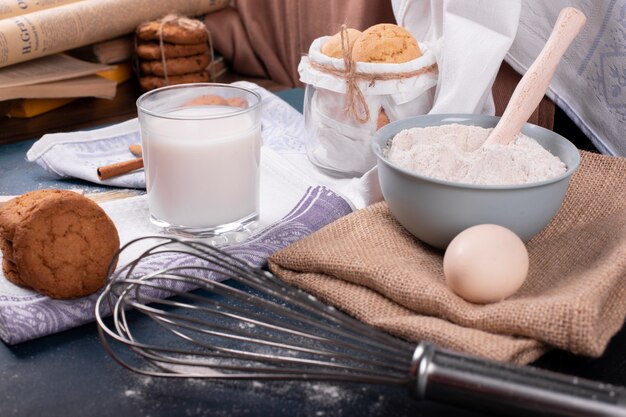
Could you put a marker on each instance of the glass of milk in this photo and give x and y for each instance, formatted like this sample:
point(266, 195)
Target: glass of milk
point(201, 149)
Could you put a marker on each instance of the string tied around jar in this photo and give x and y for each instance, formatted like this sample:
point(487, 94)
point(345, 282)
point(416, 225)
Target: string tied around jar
point(356, 104)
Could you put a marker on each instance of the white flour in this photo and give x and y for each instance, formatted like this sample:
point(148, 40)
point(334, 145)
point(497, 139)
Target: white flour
point(454, 153)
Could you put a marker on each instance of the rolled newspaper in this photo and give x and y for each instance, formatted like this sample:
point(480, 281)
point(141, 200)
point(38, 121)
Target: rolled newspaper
point(76, 24)
point(10, 8)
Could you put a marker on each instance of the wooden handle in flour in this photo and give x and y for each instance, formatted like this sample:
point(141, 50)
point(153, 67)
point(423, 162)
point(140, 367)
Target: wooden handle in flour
point(534, 83)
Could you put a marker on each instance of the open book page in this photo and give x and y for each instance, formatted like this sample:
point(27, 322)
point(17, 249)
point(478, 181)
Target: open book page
point(46, 69)
point(49, 31)
point(88, 86)
point(10, 8)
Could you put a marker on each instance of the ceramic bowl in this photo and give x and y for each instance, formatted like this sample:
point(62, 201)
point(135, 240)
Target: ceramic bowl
point(435, 211)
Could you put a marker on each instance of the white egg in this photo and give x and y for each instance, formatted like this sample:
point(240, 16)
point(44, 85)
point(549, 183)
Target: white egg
point(485, 263)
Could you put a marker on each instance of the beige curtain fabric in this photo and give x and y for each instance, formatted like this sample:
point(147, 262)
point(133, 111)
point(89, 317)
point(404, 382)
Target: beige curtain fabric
point(266, 38)
point(574, 297)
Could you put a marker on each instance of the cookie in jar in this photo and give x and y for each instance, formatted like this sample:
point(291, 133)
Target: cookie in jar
point(356, 82)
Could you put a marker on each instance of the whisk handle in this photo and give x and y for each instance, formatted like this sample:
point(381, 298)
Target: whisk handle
point(494, 387)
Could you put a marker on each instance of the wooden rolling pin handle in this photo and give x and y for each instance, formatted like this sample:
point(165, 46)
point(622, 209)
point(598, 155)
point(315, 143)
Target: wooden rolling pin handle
point(534, 83)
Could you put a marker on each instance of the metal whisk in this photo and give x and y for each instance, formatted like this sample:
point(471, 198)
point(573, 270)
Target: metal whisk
point(255, 326)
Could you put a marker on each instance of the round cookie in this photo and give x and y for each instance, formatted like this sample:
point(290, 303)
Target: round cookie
point(152, 50)
point(176, 29)
point(386, 43)
point(150, 82)
point(64, 247)
point(207, 100)
point(9, 269)
point(332, 47)
point(382, 119)
point(211, 99)
point(12, 213)
point(176, 66)
point(237, 102)
point(6, 247)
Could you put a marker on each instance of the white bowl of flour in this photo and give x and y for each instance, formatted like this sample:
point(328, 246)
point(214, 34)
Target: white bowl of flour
point(438, 180)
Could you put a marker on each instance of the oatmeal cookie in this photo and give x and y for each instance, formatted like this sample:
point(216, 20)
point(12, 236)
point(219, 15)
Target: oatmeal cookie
point(176, 66)
point(152, 50)
point(332, 47)
point(386, 43)
point(12, 213)
point(63, 247)
point(150, 82)
point(382, 119)
point(6, 247)
point(177, 29)
point(9, 269)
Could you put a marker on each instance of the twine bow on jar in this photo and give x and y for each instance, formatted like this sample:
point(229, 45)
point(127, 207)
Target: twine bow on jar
point(356, 104)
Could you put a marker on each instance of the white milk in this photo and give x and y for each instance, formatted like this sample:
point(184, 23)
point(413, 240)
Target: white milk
point(202, 173)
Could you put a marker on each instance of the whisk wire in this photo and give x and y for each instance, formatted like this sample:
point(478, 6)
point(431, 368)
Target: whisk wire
point(304, 337)
point(257, 317)
point(174, 320)
point(237, 269)
point(262, 306)
point(211, 369)
point(257, 327)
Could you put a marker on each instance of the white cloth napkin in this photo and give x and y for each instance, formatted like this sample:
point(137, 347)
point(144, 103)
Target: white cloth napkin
point(590, 81)
point(470, 39)
point(25, 314)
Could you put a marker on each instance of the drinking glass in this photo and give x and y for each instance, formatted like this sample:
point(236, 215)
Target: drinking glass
point(201, 149)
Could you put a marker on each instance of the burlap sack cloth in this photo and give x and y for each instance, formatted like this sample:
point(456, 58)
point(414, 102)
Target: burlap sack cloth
point(574, 297)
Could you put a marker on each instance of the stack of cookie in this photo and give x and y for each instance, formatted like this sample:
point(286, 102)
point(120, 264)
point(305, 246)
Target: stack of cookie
point(172, 50)
point(57, 243)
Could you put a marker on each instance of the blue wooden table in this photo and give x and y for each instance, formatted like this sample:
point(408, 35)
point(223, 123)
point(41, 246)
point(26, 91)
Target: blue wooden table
point(69, 373)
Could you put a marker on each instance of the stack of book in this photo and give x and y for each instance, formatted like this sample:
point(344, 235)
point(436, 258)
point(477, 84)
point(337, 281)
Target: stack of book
point(35, 87)
point(33, 80)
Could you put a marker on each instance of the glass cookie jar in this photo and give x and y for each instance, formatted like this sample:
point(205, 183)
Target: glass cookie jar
point(339, 144)
point(343, 108)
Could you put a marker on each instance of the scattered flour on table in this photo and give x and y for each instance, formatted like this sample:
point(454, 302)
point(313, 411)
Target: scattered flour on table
point(131, 393)
point(453, 153)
